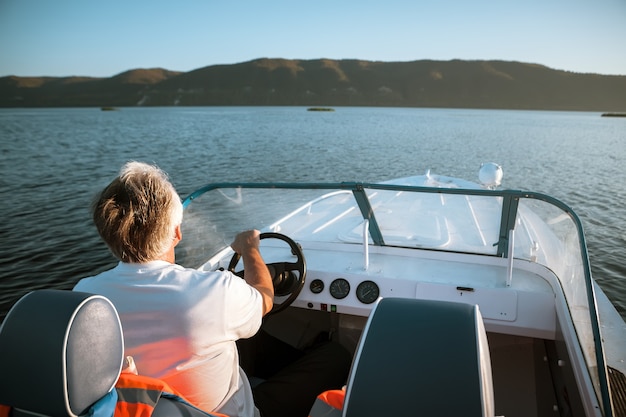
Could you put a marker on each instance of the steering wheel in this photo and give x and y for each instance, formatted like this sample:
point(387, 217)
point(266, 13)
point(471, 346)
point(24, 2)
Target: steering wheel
point(286, 281)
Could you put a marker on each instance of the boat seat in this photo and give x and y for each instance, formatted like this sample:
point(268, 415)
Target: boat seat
point(421, 358)
point(62, 351)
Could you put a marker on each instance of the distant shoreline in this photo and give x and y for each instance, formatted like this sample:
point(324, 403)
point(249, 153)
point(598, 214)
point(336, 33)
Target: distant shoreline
point(491, 84)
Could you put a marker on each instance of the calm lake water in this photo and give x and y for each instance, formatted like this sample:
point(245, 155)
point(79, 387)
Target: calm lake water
point(53, 161)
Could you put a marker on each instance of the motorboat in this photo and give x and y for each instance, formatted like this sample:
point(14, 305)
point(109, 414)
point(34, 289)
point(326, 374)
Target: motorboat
point(555, 343)
point(454, 297)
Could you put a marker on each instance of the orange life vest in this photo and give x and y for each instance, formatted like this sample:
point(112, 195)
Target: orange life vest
point(328, 404)
point(137, 395)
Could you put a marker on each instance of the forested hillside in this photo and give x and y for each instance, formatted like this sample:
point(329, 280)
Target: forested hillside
point(325, 82)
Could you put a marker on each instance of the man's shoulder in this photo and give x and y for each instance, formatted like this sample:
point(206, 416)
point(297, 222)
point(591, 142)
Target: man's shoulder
point(181, 270)
point(196, 278)
point(156, 273)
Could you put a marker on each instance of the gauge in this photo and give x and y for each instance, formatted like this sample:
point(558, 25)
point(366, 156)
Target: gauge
point(367, 292)
point(316, 286)
point(339, 288)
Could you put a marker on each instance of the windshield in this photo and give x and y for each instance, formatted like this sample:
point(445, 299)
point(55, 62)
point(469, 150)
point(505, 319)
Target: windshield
point(533, 227)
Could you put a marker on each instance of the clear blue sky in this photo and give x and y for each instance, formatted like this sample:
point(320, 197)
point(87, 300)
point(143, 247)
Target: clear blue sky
point(103, 38)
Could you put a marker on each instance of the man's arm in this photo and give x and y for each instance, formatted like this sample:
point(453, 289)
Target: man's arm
point(256, 273)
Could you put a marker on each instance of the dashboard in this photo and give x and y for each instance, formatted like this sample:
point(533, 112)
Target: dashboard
point(366, 292)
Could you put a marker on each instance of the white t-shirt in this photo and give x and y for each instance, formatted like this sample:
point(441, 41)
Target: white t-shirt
point(181, 325)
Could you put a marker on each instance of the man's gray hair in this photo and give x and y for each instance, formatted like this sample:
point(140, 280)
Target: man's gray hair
point(138, 212)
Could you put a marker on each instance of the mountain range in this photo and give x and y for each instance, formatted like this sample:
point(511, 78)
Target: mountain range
point(325, 82)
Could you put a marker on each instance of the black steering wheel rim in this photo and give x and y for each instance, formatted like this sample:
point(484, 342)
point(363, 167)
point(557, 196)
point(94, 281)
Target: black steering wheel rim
point(285, 282)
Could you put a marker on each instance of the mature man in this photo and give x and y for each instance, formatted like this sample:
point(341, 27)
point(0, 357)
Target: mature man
point(181, 325)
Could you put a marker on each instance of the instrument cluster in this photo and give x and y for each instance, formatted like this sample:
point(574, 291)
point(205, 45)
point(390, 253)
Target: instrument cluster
point(366, 292)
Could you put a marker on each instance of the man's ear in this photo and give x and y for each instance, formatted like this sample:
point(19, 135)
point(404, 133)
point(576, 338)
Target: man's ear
point(178, 233)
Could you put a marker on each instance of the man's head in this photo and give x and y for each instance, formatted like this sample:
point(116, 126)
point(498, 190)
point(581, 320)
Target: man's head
point(138, 213)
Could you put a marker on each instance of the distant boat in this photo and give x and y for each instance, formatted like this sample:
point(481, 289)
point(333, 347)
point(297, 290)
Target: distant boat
point(613, 114)
point(320, 109)
point(108, 108)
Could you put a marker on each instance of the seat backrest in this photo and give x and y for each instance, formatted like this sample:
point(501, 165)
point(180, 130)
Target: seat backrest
point(421, 358)
point(60, 351)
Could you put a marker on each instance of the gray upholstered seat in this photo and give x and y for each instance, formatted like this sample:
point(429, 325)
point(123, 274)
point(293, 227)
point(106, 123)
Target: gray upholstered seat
point(421, 358)
point(60, 352)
